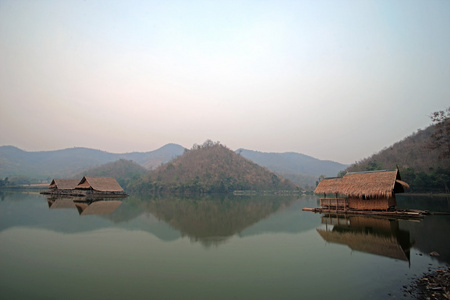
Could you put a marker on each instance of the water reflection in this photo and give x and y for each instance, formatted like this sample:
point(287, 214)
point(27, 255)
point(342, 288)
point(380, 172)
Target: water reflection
point(209, 219)
point(59, 203)
point(367, 234)
point(98, 207)
point(212, 220)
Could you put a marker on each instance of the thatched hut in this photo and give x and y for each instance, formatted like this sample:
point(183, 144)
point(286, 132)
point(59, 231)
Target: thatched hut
point(100, 186)
point(374, 190)
point(62, 186)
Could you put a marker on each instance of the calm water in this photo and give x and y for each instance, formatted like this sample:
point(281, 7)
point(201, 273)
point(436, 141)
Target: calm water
point(209, 248)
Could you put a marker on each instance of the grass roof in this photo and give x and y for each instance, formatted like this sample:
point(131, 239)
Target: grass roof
point(379, 184)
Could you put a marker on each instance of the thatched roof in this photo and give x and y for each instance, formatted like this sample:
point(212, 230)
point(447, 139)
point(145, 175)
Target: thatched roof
point(375, 184)
point(63, 184)
point(101, 184)
point(98, 207)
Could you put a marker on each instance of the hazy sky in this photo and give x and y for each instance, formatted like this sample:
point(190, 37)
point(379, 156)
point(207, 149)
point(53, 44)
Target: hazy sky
point(336, 80)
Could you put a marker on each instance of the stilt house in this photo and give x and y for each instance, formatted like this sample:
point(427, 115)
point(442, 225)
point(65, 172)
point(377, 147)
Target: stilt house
point(100, 186)
point(63, 186)
point(373, 190)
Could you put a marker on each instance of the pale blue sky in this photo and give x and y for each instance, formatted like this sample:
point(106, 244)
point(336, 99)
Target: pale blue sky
point(336, 80)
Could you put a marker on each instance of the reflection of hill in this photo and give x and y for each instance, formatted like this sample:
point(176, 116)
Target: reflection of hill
point(371, 235)
point(288, 220)
point(213, 220)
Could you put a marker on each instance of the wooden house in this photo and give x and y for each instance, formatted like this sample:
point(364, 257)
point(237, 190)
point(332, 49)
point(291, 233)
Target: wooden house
point(374, 190)
point(99, 186)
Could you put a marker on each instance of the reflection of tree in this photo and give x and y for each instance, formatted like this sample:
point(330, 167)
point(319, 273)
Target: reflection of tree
point(212, 220)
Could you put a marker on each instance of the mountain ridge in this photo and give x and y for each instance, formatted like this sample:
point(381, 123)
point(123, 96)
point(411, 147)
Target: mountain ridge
point(69, 162)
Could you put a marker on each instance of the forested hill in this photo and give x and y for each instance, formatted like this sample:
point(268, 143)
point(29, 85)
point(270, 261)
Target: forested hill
point(421, 166)
point(212, 168)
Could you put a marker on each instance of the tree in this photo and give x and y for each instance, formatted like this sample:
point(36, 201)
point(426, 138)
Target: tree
point(374, 165)
point(440, 139)
point(341, 173)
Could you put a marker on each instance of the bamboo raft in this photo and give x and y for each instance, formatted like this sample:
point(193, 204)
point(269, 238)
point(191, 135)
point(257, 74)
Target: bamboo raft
point(397, 213)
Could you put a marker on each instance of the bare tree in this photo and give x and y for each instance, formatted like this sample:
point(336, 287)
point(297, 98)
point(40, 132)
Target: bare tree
point(440, 139)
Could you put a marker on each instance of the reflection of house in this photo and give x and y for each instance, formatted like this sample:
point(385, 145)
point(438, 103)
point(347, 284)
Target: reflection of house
point(98, 207)
point(371, 235)
point(56, 203)
point(99, 185)
point(363, 191)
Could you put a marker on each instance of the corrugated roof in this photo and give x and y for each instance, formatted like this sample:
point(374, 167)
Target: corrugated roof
point(101, 184)
point(368, 184)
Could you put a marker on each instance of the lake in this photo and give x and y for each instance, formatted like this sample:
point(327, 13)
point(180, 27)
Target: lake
point(211, 247)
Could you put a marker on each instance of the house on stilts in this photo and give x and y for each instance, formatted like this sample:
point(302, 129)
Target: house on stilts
point(87, 187)
point(373, 190)
point(62, 186)
point(99, 186)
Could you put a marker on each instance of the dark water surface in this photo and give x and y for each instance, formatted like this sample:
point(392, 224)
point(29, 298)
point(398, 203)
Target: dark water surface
point(214, 247)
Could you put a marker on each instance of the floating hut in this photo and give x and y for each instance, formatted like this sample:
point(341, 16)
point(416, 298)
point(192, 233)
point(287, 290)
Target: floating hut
point(62, 186)
point(88, 186)
point(100, 186)
point(374, 190)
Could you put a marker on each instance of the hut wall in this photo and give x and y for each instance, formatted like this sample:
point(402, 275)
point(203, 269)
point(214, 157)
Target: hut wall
point(375, 204)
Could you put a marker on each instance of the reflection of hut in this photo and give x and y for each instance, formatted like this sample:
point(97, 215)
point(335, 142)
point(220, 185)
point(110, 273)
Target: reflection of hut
point(98, 207)
point(100, 186)
point(56, 203)
point(371, 235)
point(362, 191)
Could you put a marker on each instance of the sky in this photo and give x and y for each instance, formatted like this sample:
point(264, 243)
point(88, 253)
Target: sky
point(336, 80)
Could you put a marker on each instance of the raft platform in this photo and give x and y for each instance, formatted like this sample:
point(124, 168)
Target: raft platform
point(397, 213)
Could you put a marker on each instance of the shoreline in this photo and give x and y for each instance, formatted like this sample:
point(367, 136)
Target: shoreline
point(434, 284)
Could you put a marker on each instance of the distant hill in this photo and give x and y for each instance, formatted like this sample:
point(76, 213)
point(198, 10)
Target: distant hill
point(42, 165)
point(212, 168)
point(420, 166)
point(299, 168)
